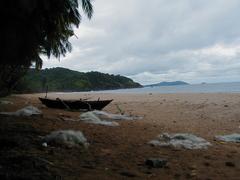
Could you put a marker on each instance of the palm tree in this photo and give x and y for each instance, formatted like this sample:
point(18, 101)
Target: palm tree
point(56, 42)
point(33, 27)
point(30, 28)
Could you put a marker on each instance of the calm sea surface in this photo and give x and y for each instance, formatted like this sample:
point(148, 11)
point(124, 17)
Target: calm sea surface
point(195, 88)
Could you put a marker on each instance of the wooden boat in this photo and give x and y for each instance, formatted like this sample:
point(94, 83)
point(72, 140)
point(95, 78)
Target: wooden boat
point(75, 104)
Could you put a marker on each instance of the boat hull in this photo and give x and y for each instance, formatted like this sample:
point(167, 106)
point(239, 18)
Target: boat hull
point(75, 105)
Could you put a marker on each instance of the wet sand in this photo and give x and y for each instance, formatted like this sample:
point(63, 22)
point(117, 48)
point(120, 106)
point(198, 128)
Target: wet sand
point(120, 152)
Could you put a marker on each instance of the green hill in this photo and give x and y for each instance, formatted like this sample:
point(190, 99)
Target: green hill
point(61, 79)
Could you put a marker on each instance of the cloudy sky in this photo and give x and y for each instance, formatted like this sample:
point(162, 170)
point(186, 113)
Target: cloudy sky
point(159, 40)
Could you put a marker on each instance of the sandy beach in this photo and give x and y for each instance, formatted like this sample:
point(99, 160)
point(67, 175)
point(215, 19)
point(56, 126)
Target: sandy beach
point(120, 152)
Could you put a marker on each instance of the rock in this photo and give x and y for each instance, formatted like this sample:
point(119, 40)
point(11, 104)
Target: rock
point(156, 162)
point(177, 176)
point(230, 164)
point(128, 174)
point(206, 164)
point(193, 167)
point(88, 166)
point(191, 175)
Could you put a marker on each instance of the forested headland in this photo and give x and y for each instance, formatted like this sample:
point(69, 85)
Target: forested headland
point(66, 80)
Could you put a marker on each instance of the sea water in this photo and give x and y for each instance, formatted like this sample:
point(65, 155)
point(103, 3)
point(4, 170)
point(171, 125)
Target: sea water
point(233, 87)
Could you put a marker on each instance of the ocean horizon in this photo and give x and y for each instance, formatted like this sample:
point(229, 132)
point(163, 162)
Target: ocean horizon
point(229, 87)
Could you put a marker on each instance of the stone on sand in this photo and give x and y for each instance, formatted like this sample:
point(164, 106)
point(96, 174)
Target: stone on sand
point(156, 162)
point(180, 140)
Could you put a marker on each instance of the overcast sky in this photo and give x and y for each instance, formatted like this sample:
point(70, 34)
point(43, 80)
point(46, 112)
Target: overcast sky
point(159, 40)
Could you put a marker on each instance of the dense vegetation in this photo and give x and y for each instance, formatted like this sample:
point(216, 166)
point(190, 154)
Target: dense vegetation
point(32, 28)
point(61, 79)
point(35, 27)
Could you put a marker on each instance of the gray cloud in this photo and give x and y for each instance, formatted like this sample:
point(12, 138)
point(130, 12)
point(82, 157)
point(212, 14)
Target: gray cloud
point(152, 41)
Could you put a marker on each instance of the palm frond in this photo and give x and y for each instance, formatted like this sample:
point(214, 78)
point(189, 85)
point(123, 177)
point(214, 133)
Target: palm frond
point(87, 8)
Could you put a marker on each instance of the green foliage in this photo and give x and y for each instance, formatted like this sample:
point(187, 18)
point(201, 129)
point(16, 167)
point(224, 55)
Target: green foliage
point(34, 27)
point(61, 79)
point(31, 28)
point(9, 77)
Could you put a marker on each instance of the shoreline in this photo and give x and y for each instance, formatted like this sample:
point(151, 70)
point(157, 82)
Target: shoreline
point(231, 87)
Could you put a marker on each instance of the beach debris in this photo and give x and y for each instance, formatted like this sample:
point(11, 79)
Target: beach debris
point(229, 138)
point(26, 111)
point(66, 118)
point(156, 162)
point(105, 118)
point(180, 140)
point(44, 144)
point(91, 117)
point(67, 138)
point(119, 109)
point(5, 102)
point(111, 116)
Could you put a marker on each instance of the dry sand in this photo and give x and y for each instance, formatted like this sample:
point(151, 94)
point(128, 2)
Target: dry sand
point(120, 152)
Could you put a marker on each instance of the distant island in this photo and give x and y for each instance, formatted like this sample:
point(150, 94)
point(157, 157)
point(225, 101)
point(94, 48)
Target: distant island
point(66, 80)
point(174, 83)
